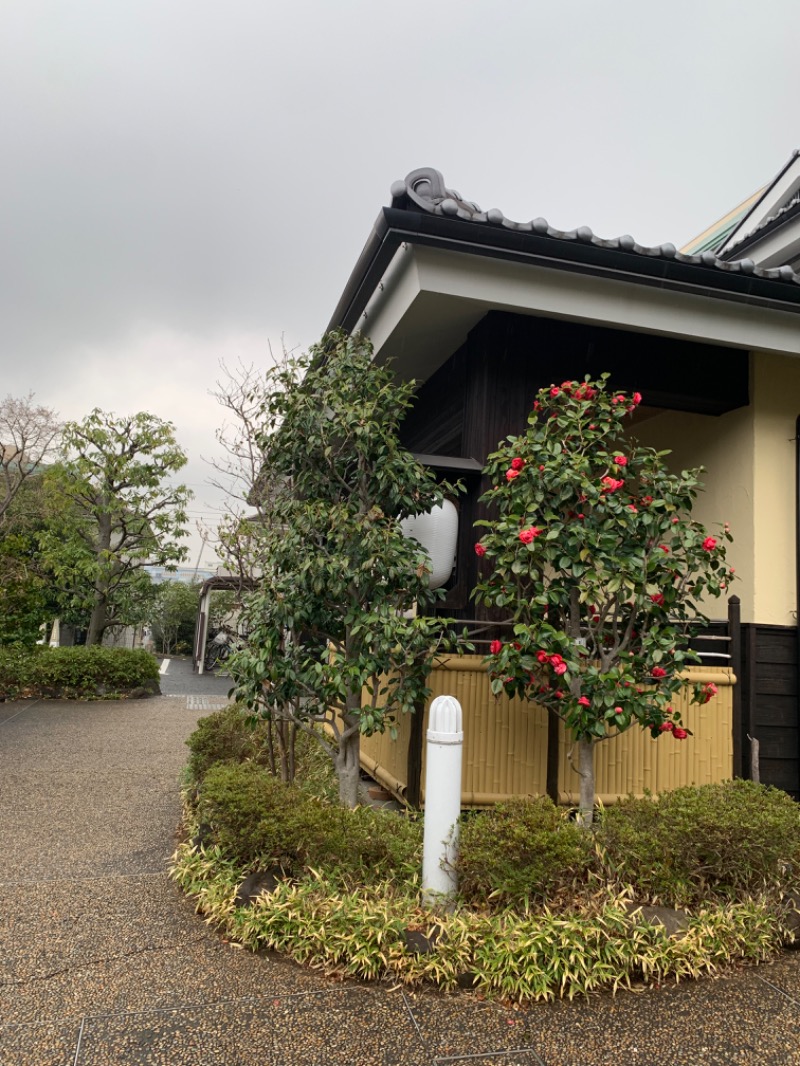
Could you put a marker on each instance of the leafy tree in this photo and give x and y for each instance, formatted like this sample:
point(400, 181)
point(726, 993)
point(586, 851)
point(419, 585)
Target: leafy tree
point(332, 639)
point(27, 595)
point(173, 614)
point(28, 436)
point(118, 513)
point(595, 553)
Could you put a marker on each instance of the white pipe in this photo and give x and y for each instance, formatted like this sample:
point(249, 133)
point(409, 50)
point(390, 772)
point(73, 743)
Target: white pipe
point(445, 740)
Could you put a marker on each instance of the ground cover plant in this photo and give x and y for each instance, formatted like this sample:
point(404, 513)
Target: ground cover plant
point(76, 673)
point(545, 908)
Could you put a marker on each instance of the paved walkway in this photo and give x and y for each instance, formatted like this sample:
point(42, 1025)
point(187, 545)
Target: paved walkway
point(103, 962)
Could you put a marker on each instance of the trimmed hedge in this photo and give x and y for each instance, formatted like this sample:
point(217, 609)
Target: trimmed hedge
point(258, 821)
point(521, 851)
point(726, 841)
point(77, 673)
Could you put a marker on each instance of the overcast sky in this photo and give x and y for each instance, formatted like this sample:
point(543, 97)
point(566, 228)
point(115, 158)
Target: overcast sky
point(185, 181)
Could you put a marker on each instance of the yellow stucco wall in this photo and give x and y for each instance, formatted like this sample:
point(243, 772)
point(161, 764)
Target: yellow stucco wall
point(776, 404)
point(725, 447)
point(749, 456)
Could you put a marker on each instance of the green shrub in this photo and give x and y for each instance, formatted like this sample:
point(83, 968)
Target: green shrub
point(257, 820)
point(522, 850)
point(711, 842)
point(234, 735)
point(226, 736)
point(250, 815)
point(359, 845)
point(77, 673)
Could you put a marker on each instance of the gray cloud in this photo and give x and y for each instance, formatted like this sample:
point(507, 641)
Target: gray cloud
point(209, 172)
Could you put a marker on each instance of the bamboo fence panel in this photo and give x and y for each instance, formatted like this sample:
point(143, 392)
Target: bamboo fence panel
point(505, 744)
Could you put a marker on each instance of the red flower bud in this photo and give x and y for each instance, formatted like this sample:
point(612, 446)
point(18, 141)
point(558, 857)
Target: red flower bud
point(480, 550)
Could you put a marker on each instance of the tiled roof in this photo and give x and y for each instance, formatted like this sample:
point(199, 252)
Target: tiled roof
point(425, 190)
point(771, 222)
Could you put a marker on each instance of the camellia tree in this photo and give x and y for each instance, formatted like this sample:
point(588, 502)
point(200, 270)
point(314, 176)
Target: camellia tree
point(334, 640)
point(596, 556)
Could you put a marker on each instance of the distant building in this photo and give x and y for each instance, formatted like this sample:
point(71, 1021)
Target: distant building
point(189, 575)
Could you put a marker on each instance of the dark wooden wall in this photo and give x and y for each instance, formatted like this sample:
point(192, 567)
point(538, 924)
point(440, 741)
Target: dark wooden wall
point(770, 709)
point(485, 390)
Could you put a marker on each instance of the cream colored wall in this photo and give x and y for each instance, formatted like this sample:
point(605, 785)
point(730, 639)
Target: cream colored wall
point(725, 447)
point(749, 456)
point(776, 402)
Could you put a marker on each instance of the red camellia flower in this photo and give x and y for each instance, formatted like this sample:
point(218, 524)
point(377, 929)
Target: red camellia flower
point(658, 598)
point(511, 474)
point(611, 484)
point(710, 690)
point(480, 550)
point(658, 671)
point(618, 710)
point(637, 399)
point(542, 656)
point(530, 534)
point(496, 647)
point(560, 668)
point(536, 405)
point(517, 464)
point(584, 701)
point(678, 733)
point(664, 548)
point(620, 460)
point(666, 727)
point(709, 544)
point(555, 391)
point(647, 499)
point(633, 507)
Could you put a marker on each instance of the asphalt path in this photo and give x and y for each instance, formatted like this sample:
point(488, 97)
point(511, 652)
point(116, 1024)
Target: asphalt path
point(102, 961)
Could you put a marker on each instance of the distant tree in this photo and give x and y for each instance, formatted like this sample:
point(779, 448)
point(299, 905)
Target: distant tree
point(118, 513)
point(28, 598)
point(28, 437)
point(173, 614)
point(244, 471)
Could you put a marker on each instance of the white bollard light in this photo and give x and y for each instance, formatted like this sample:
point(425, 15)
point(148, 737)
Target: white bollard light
point(445, 744)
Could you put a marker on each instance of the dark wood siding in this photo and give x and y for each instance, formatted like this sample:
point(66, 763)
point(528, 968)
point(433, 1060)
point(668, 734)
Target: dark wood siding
point(770, 708)
point(484, 391)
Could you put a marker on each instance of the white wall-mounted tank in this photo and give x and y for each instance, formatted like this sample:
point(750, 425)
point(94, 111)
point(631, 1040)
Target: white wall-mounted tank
point(437, 532)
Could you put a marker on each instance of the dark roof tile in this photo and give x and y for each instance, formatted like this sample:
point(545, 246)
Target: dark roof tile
point(425, 189)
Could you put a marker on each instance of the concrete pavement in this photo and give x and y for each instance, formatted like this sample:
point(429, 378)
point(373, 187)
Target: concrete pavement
point(103, 962)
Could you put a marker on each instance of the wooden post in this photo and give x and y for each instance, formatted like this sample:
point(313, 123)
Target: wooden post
point(551, 781)
point(414, 758)
point(735, 645)
point(755, 768)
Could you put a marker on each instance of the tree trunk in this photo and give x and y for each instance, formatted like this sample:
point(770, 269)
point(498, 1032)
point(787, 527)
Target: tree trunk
point(586, 773)
point(347, 762)
point(97, 622)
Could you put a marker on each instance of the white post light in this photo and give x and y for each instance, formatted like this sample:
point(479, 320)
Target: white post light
point(445, 745)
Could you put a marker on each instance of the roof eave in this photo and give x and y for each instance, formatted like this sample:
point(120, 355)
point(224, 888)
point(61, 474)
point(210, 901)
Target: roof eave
point(639, 266)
